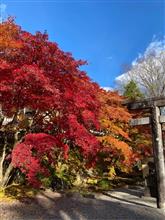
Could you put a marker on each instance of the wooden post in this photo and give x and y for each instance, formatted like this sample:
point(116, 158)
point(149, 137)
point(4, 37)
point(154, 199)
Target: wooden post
point(158, 156)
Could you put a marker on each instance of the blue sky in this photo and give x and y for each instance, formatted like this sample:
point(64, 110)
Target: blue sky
point(107, 34)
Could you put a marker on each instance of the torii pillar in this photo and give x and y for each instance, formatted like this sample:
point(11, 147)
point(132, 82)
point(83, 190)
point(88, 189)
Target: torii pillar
point(158, 155)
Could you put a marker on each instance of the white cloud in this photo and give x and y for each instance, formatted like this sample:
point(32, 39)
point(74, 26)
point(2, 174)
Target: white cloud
point(123, 78)
point(107, 88)
point(155, 47)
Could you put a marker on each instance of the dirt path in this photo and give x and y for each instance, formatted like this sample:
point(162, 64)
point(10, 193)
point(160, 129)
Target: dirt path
point(121, 204)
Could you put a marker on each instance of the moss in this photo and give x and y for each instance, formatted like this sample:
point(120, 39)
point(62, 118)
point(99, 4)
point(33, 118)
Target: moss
point(17, 192)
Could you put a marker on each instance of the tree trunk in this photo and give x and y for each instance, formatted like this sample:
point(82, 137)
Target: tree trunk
point(4, 175)
point(2, 158)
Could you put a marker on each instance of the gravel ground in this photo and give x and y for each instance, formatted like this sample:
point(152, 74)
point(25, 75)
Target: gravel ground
point(118, 204)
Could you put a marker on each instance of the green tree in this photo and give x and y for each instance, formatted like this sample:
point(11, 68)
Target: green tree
point(132, 91)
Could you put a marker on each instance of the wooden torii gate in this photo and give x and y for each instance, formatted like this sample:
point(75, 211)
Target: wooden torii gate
point(156, 120)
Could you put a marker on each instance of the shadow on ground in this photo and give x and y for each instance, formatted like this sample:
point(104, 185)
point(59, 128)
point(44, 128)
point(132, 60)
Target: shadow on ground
point(52, 206)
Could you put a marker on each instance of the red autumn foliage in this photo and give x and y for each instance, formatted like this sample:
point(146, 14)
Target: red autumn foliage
point(31, 153)
point(36, 74)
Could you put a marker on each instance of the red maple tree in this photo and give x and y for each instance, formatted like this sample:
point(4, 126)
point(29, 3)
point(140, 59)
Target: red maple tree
point(48, 103)
point(35, 74)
